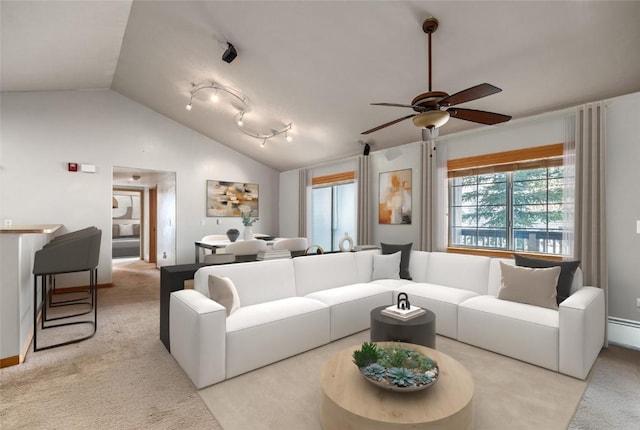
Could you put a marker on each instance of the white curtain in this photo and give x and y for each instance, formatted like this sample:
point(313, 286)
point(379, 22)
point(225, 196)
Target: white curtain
point(590, 162)
point(302, 203)
point(363, 218)
point(433, 229)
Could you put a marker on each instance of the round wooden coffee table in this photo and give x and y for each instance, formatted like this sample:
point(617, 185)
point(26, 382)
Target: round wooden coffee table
point(351, 402)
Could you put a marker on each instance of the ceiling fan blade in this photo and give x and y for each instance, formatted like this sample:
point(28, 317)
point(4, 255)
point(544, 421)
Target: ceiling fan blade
point(479, 116)
point(396, 105)
point(388, 124)
point(473, 93)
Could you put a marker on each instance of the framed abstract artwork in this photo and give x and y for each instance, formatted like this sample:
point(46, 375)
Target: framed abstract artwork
point(394, 201)
point(230, 199)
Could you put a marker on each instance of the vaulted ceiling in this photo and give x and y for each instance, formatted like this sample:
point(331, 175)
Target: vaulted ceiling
point(319, 64)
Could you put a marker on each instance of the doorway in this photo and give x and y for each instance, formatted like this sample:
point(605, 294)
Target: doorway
point(156, 193)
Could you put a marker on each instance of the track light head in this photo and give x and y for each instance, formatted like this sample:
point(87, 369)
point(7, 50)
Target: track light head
point(366, 150)
point(230, 54)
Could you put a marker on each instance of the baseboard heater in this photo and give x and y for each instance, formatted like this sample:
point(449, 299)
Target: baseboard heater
point(624, 332)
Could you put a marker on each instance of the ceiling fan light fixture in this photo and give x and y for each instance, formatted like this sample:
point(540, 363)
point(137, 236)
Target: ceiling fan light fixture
point(432, 118)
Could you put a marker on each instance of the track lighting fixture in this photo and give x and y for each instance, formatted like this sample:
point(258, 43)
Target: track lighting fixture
point(236, 97)
point(263, 136)
point(217, 90)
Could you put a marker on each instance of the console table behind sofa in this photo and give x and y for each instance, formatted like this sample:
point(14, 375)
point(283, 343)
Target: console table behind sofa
point(172, 279)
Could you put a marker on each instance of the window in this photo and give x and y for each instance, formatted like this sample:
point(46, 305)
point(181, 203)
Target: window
point(516, 205)
point(333, 209)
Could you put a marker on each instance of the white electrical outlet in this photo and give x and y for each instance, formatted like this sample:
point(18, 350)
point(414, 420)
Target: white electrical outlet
point(218, 221)
point(638, 303)
point(8, 223)
point(203, 222)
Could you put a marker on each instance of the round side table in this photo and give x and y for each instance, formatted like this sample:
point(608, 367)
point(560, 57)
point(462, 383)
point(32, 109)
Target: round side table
point(350, 402)
point(420, 330)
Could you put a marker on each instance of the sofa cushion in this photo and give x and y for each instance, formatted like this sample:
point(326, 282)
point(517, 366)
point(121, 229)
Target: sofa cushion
point(525, 332)
point(467, 272)
point(389, 248)
point(442, 301)
point(222, 290)
point(418, 265)
point(256, 282)
point(351, 306)
point(568, 268)
point(531, 286)
point(261, 334)
point(125, 229)
point(386, 266)
point(320, 272)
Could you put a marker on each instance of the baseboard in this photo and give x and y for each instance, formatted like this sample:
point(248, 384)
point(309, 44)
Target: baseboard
point(9, 361)
point(80, 288)
point(625, 333)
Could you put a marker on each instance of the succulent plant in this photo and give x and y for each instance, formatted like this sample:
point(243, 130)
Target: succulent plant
point(374, 371)
point(366, 355)
point(423, 379)
point(401, 377)
point(395, 357)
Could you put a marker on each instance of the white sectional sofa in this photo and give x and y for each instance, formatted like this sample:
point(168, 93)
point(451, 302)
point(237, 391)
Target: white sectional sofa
point(289, 306)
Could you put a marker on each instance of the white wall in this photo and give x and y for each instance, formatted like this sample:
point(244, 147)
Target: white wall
point(623, 204)
point(518, 134)
point(623, 180)
point(289, 203)
point(399, 158)
point(42, 131)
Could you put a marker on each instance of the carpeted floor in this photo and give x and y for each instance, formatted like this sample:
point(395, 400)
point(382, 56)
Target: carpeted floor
point(612, 399)
point(122, 378)
point(509, 394)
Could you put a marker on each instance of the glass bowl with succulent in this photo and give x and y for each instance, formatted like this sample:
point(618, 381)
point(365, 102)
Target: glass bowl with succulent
point(396, 367)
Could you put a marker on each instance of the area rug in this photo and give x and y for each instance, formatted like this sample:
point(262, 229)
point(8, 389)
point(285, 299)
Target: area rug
point(509, 394)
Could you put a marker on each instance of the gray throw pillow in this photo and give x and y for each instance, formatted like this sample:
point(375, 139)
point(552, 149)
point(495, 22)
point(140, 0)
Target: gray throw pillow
point(568, 269)
point(535, 287)
point(389, 248)
point(386, 266)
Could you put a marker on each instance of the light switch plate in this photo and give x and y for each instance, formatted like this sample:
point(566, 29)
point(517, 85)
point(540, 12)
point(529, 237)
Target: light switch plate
point(638, 227)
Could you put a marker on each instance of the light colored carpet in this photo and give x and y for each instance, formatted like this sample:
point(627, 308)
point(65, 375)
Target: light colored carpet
point(509, 394)
point(122, 378)
point(612, 399)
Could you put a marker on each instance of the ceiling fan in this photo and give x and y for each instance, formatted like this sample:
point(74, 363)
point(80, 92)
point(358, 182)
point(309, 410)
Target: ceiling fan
point(434, 108)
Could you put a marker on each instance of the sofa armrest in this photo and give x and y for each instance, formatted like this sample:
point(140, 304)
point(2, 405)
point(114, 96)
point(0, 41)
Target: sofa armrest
point(582, 326)
point(197, 328)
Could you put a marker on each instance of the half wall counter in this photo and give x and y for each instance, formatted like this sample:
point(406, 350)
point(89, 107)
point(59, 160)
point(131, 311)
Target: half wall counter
point(18, 245)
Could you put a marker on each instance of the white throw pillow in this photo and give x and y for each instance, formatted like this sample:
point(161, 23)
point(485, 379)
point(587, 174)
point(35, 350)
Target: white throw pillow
point(222, 290)
point(531, 286)
point(386, 266)
point(126, 229)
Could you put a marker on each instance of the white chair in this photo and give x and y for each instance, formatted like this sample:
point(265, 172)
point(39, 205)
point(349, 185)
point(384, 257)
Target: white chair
point(297, 245)
point(246, 250)
point(213, 238)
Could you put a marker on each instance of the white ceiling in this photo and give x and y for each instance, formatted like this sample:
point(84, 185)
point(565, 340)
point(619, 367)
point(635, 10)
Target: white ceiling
point(318, 64)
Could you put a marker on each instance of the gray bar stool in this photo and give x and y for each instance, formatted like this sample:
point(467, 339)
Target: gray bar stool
point(74, 252)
